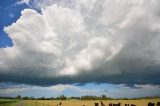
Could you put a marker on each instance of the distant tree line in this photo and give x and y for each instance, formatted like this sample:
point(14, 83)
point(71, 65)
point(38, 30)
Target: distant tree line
point(87, 97)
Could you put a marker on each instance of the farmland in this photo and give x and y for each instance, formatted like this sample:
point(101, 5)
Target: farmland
point(78, 102)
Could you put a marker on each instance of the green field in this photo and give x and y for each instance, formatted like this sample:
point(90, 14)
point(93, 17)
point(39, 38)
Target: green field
point(9, 102)
point(78, 102)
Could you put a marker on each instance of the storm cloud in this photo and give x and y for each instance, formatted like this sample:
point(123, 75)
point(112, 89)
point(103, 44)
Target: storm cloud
point(101, 41)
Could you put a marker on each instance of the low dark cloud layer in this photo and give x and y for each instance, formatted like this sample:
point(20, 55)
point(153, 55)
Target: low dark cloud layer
point(107, 41)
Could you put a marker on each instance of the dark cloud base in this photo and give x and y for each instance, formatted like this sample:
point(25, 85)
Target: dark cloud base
point(125, 78)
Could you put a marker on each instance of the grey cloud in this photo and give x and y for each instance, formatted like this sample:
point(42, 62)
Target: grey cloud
point(121, 90)
point(142, 91)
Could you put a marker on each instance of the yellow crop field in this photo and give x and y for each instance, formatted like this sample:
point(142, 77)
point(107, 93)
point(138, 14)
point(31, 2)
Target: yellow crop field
point(86, 102)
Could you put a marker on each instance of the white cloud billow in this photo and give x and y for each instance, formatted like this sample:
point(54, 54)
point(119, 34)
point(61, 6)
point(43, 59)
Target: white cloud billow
point(107, 38)
point(19, 2)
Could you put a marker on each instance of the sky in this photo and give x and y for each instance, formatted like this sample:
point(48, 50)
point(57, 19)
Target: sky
point(80, 47)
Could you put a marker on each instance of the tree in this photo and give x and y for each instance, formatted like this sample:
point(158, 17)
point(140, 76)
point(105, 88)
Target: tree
point(42, 98)
point(104, 97)
point(18, 97)
point(62, 97)
point(26, 98)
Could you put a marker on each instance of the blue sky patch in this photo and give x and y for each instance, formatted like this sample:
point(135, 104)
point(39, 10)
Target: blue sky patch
point(9, 13)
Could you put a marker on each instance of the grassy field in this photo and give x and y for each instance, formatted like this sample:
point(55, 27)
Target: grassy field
point(78, 102)
point(9, 102)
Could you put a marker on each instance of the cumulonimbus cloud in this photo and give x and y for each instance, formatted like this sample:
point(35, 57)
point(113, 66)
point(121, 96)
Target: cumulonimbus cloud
point(95, 41)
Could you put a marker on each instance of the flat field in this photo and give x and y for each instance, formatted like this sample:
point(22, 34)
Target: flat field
point(9, 102)
point(79, 102)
